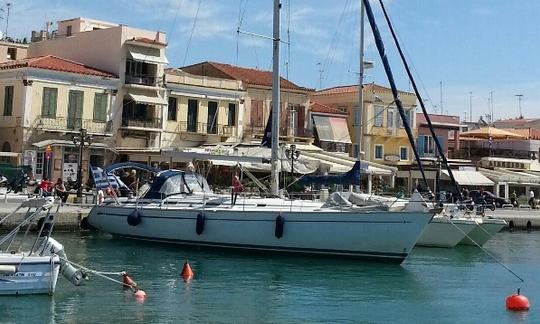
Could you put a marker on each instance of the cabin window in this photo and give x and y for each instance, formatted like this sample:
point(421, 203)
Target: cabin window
point(379, 151)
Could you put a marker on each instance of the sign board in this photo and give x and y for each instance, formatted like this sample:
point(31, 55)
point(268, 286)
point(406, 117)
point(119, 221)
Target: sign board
point(70, 171)
point(392, 158)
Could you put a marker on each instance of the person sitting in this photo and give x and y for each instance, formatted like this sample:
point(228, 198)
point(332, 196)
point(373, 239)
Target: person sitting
point(45, 187)
point(237, 188)
point(60, 190)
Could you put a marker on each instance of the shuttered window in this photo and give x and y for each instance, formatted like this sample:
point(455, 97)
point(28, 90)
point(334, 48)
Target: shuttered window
point(100, 107)
point(49, 102)
point(75, 109)
point(8, 101)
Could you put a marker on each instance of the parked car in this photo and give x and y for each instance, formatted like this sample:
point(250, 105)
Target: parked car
point(489, 197)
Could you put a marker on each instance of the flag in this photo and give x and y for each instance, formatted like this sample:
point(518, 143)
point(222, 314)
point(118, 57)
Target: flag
point(103, 181)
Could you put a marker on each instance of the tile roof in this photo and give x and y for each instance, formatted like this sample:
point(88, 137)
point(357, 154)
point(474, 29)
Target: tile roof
point(317, 107)
point(55, 63)
point(354, 88)
point(246, 75)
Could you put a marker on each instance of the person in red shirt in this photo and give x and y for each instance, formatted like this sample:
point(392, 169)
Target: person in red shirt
point(237, 188)
point(60, 190)
point(45, 187)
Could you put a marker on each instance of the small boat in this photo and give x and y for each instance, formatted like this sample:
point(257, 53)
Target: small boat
point(486, 228)
point(446, 232)
point(33, 269)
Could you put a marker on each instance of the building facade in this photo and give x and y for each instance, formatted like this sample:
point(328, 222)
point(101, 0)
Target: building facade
point(46, 101)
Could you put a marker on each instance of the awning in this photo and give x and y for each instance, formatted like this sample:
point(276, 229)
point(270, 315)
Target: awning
point(147, 55)
point(149, 100)
point(332, 129)
point(469, 178)
point(10, 154)
point(60, 142)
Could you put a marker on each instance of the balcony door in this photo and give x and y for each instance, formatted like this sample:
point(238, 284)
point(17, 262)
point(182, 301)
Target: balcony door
point(211, 127)
point(193, 106)
point(75, 109)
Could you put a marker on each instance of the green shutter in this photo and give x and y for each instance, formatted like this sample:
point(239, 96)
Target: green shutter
point(48, 105)
point(75, 109)
point(8, 101)
point(100, 107)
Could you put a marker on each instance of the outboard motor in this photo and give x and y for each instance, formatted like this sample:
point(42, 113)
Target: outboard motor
point(50, 246)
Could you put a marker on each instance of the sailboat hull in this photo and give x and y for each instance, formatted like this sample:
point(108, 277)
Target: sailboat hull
point(442, 232)
point(377, 234)
point(484, 231)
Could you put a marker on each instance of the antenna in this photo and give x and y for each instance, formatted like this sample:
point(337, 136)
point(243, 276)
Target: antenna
point(321, 71)
point(520, 97)
point(441, 106)
point(470, 106)
point(8, 5)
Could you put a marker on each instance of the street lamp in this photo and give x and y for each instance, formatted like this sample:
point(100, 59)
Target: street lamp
point(82, 140)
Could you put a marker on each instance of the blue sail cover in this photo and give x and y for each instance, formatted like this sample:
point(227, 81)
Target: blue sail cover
point(267, 137)
point(352, 177)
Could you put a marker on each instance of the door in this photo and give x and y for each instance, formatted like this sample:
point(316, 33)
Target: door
point(75, 110)
point(211, 127)
point(192, 115)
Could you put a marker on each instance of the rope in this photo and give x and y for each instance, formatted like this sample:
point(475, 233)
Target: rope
point(486, 251)
point(102, 274)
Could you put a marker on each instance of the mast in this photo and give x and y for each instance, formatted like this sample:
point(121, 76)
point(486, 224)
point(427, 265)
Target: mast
point(389, 75)
point(360, 108)
point(274, 175)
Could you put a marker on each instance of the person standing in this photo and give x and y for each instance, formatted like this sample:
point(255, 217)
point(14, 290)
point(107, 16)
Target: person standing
point(237, 188)
point(531, 199)
point(513, 198)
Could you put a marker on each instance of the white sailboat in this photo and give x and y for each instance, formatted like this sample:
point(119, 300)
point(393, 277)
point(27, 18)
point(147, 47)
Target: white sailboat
point(178, 208)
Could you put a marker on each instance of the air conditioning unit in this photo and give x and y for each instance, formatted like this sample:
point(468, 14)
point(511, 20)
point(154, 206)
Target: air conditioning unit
point(153, 140)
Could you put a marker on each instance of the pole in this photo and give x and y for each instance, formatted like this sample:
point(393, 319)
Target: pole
point(520, 97)
point(79, 167)
point(8, 5)
point(470, 106)
point(491, 102)
point(440, 86)
point(360, 106)
point(275, 102)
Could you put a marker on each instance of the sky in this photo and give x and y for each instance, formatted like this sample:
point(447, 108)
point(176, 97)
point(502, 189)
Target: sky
point(462, 52)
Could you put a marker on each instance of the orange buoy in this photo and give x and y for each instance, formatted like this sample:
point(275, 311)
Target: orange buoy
point(139, 294)
point(187, 272)
point(128, 282)
point(517, 302)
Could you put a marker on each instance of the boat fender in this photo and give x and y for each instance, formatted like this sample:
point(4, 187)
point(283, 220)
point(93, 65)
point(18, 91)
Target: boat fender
point(199, 227)
point(280, 222)
point(511, 225)
point(134, 218)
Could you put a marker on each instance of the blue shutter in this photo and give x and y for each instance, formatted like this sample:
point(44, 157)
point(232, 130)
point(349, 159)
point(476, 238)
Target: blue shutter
point(442, 141)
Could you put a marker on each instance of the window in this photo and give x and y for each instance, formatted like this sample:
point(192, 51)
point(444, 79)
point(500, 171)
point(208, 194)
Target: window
point(425, 145)
point(171, 109)
point(100, 107)
point(69, 30)
point(378, 116)
point(8, 101)
point(232, 115)
point(211, 126)
point(48, 104)
point(343, 108)
point(75, 109)
point(410, 120)
point(379, 152)
point(12, 53)
point(256, 118)
point(193, 106)
point(390, 120)
point(403, 153)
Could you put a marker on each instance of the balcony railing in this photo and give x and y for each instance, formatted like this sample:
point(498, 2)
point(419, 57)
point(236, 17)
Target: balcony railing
point(70, 124)
point(142, 123)
point(141, 79)
point(204, 129)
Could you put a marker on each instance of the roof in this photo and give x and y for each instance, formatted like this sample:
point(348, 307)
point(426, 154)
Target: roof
point(354, 88)
point(246, 75)
point(317, 107)
point(146, 40)
point(491, 132)
point(518, 122)
point(55, 63)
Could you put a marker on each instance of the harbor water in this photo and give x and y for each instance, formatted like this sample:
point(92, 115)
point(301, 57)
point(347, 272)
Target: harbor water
point(460, 285)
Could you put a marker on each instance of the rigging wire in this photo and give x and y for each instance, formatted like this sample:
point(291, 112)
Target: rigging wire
point(241, 14)
point(191, 33)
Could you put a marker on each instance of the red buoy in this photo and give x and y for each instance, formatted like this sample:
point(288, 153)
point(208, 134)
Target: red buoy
point(187, 273)
point(128, 282)
point(517, 302)
point(139, 294)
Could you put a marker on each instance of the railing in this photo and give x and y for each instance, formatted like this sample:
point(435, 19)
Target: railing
point(204, 129)
point(140, 79)
point(142, 123)
point(254, 130)
point(70, 124)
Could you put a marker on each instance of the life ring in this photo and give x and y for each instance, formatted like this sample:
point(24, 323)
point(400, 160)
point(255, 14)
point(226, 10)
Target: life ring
point(280, 222)
point(134, 218)
point(199, 227)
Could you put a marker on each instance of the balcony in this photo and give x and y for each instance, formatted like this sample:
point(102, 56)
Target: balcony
point(67, 124)
point(154, 123)
point(140, 79)
point(203, 129)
